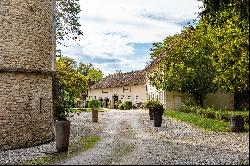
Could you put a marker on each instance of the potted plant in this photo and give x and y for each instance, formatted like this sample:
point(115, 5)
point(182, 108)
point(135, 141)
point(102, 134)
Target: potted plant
point(62, 108)
point(94, 104)
point(236, 123)
point(158, 110)
point(149, 105)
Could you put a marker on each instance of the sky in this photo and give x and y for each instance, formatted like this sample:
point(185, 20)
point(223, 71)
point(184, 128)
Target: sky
point(118, 34)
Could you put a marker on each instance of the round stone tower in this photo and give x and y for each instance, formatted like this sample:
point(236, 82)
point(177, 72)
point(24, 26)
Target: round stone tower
point(26, 65)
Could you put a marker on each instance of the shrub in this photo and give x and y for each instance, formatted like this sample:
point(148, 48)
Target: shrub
point(94, 103)
point(116, 105)
point(219, 114)
point(155, 106)
point(128, 105)
point(189, 102)
point(209, 114)
point(134, 106)
point(121, 106)
point(225, 116)
point(150, 104)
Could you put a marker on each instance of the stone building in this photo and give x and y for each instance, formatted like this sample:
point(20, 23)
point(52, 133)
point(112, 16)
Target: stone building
point(130, 86)
point(26, 65)
point(135, 86)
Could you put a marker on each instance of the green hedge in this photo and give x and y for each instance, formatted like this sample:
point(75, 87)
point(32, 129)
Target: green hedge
point(218, 114)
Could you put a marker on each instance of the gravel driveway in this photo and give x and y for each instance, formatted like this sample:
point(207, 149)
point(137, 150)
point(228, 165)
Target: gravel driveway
point(128, 137)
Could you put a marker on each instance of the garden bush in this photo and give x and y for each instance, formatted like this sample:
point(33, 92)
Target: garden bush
point(94, 103)
point(121, 106)
point(116, 105)
point(150, 104)
point(128, 105)
point(218, 114)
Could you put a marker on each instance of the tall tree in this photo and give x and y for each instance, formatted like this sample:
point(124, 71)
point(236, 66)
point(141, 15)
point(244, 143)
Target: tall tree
point(67, 21)
point(70, 79)
point(93, 74)
point(185, 66)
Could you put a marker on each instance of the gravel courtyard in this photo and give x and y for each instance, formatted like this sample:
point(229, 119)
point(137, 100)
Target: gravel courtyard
point(128, 137)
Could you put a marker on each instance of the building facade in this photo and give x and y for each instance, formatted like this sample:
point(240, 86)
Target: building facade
point(122, 87)
point(26, 64)
point(136, 87)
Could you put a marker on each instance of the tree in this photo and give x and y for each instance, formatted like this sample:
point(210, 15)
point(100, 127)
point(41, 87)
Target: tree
point(67, 22)
point(70, 79)
point(215, 54)
point(185, 65)
point(93, 75)
point(230, 57)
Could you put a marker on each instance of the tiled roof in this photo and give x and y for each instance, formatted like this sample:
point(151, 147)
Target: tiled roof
point(122, 79)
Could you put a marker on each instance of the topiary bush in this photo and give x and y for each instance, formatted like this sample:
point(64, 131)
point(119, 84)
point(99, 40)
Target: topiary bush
point(128, 105)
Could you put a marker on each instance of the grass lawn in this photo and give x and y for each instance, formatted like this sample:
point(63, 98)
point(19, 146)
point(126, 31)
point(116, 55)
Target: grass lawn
point(201, 122)
point(79, 110)
point(83, 144)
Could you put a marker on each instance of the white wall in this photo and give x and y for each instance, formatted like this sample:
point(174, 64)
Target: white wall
point(135, 93)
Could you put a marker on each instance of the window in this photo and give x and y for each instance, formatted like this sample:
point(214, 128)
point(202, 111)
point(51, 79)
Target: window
point(104, 91)
point(124, 89)
point(146, 88)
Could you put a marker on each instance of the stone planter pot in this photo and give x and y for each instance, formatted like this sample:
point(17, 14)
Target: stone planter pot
point(157, 118)
point(94, 115)
point(151, 115)
point(237, 123)
point(62, 135)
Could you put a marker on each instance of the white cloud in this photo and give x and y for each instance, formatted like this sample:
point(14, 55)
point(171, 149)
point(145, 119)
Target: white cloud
point(110, 26)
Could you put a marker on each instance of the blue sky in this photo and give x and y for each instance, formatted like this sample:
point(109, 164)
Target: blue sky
point(119, 33)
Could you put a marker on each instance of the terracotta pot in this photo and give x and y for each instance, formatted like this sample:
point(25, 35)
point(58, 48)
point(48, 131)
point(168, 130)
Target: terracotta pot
point(62, 135)
point(94, 115)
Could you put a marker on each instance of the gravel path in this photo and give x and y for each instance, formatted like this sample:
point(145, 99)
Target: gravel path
point(128, 137)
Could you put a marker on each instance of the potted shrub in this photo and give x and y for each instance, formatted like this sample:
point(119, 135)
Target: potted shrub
point(62, 109)
point(236, 123)
point(94, 104)
point(149, 105)
point(158, 110)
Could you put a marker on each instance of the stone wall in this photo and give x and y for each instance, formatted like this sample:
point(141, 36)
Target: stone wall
point(26, 110)
point(26, 117)
point(25, 34)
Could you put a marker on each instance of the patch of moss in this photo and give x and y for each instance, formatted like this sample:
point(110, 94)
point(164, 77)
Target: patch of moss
point(119, 152)
point(83, 144)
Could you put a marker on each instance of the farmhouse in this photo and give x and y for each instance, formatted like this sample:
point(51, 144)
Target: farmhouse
point(135, 86)
point(129, 86)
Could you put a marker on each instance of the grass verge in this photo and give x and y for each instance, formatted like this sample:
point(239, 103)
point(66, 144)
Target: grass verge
point(83, 144)
point(201, 122)
point(79, 110)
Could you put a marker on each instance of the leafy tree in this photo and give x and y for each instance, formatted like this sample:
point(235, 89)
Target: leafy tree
point(67, 24)
point(185, 65)
point(230, 57)
point(93, 75)
point(70, 80)
point(213, 55)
